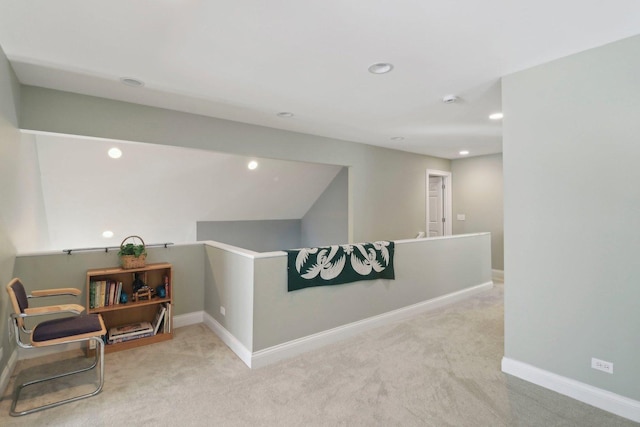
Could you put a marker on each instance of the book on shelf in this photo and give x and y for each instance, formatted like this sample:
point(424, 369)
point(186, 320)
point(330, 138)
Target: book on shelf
point(112, 291)
point(167, 318)
point(104, 293)
point(92, 295)
point(94, 291)
point(103, 290)
point(159, 318)
point(118, 293)
point(96, 294)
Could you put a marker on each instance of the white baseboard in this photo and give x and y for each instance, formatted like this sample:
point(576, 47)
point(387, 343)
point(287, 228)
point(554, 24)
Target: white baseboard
point(8, 371)
point(232, 342)
point(603, 399)
point(497, 275)
point(188, 319)
point(311, 342)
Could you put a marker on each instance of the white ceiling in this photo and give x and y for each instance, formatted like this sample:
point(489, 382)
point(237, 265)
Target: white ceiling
point(161, 192)
point(246, 60)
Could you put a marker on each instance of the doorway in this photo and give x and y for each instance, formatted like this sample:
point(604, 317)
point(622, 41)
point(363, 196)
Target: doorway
point(438, 203)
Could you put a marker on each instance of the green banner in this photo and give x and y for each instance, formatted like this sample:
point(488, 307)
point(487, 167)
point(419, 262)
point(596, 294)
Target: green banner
point(334, 265)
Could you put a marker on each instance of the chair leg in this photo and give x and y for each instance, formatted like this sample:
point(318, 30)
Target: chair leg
point(99, 359)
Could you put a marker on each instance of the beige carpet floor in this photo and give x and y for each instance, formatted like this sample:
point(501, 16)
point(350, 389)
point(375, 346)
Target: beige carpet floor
point(440, 368)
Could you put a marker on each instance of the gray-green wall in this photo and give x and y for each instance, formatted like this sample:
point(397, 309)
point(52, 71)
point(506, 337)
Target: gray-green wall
point(229, 279)
point(58, 270)
point(477, 193)
point(327, 221)
point(572, 216)
point(9, 192)
point(386, 187)
point(258, 236)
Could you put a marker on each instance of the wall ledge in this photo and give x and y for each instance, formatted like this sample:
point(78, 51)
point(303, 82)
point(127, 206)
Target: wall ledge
point(431, 239)
point(187, 319)
point(246, 252)
point(261, 255)
point(77, 251)
point(603, 399)
point(230, 248)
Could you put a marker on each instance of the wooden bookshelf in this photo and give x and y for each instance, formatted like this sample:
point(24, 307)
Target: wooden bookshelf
point(116, 314)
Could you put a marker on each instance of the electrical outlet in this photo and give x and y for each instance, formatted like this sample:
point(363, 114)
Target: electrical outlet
point(602, 365)
point(222, 310)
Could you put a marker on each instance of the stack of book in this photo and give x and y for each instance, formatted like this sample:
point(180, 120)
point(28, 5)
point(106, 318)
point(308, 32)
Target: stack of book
point(130, 332)
point(103, 293)
point(138, 330)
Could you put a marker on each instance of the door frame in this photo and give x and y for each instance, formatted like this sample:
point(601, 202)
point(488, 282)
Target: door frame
point(446, 195)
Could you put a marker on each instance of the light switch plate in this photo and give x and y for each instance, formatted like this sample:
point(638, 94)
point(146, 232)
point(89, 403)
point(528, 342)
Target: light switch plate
point(462, 217)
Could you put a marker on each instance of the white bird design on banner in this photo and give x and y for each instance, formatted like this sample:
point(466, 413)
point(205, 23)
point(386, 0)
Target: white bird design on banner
point(369, 262)
point(324, 266)
point(384, 250)
point(303, 256)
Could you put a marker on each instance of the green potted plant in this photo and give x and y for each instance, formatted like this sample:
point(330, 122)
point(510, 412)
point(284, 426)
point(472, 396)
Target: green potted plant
point(132, 255)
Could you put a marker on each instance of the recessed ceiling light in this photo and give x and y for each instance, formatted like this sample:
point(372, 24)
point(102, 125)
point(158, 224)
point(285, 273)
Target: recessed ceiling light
point(115, 153)
point(285, 114)
point(397, 138)
point(464, 152)
point(496, 116)
point(252, 165)
point(107, 234)
point(380, 68)
point(130, 81)
point(450, 99)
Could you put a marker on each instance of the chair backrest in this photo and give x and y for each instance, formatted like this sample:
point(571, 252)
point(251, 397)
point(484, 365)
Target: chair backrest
point(18, 298)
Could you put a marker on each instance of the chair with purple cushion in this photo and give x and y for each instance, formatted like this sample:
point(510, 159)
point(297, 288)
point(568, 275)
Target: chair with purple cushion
point(77, 328)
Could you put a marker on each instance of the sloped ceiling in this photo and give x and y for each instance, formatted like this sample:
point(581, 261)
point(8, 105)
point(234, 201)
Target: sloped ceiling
point(160, 192)
point(248, 60)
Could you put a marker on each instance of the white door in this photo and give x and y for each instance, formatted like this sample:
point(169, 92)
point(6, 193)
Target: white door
point(436, 211)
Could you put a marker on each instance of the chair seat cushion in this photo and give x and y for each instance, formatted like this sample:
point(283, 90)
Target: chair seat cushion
point(66, 327)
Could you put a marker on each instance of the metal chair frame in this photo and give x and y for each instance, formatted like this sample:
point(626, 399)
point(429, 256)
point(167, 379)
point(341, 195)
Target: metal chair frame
point(19, 328)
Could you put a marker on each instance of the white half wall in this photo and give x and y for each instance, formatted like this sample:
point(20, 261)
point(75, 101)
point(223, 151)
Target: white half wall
point(263, 322)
